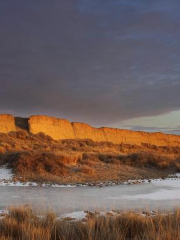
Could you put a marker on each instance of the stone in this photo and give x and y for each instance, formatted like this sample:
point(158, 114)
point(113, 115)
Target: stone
point(60, 129)
point(7, 123)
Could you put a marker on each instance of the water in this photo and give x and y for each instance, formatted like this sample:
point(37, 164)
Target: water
point(158, 195)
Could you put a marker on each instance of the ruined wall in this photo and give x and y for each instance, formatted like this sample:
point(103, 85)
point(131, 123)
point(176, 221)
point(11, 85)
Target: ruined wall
point(7, 123)
point(63, 129)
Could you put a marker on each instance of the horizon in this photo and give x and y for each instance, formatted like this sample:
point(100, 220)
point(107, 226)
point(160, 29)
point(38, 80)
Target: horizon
point(106, 63)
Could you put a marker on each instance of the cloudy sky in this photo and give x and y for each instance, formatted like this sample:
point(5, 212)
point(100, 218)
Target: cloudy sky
point(104, 62)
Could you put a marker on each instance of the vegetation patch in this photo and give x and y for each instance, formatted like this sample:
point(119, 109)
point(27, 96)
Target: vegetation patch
point(40, 158)
point(22, 224)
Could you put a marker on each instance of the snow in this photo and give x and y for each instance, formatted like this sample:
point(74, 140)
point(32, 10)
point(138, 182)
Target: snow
point(80, 215)
point(6, 179)
point(76, 216)
point(169, 182)
point(11, 183)
point(4, 212)
point(5, 174)
point(168, 189)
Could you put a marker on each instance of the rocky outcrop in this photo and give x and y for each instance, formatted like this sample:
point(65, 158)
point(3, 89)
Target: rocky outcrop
point(63, 129)
point(54, 127)
point(119, 136)
point(7, 123)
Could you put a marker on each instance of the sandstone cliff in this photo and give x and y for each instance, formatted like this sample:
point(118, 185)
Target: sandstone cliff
point(63, 129)
point(54, 127)
point(118, 136)
point(7, 123)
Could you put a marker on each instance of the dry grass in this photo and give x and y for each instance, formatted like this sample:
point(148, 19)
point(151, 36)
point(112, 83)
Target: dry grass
point(141, 159)
point(39, 157)
point(24, 224)
point(39, 166)
point(87, 170)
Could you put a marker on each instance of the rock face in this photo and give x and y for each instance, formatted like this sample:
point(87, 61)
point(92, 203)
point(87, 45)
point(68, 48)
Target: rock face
point(54, 127)
point(118, 136)
point(7, 123)
point(63, 129)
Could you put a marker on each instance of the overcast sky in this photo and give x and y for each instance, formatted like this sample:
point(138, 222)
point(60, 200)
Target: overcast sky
point(104, 62)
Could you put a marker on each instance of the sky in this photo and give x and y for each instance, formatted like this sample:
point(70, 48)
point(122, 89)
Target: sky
point(104, 62)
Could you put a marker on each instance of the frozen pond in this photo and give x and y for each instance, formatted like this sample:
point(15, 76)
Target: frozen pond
point(157, 195)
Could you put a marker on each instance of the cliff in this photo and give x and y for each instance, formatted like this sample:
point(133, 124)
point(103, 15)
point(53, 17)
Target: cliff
point(54, 127)
point(118, 136)
point(7, 123)
point(63, 129)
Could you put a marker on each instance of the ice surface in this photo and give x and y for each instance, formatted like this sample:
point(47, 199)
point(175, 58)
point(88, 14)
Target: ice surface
point(158, 194)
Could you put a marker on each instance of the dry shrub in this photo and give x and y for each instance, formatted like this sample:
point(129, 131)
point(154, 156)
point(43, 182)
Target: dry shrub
point(5, 146)
point(87, 156)
point(87, 170)
point(108, 158)
point(5, 238)
point(78, 145)
point(177, 165)
point(90, 142)
point(22, 135)
point(36, 163)
point(43, 137)
point(2, 150)
point(21, 214)
point(90, 159)
point(141, 159)
point(69, 158)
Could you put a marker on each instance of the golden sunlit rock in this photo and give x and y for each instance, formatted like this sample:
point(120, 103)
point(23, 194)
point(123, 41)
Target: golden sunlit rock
point(63, 129)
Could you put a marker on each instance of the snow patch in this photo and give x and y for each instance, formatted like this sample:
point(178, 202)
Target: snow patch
point(170, 190)
point(5, 173)
point(76, 216)
point(4, 212)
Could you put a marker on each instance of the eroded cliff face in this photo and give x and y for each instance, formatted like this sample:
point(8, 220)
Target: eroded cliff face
point(63, 129)
point(119, 136)
point(7, 123)
point(54, 127)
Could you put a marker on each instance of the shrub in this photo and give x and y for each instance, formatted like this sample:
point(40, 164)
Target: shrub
point(177, 165)
point(141, 159)
point(43, 137)
point(107, 158)
point(36, 163)
point(2, 150)
point(87, 170)
point(69, 159)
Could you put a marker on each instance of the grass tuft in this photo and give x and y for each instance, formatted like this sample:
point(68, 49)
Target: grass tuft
point(23, 224)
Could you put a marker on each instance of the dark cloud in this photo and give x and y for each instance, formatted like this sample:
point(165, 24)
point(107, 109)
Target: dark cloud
point(97, 61)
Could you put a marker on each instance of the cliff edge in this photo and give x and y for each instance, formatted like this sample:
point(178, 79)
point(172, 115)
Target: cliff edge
point(63, 129)
point(7, 123)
